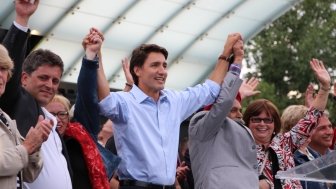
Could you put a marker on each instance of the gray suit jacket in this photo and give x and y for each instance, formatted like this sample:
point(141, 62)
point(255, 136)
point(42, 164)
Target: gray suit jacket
point(223, 153)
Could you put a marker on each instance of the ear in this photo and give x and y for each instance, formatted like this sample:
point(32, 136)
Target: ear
point(24, 78)
point(137, 70)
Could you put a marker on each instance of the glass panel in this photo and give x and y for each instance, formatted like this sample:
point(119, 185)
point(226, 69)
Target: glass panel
point(320, 170)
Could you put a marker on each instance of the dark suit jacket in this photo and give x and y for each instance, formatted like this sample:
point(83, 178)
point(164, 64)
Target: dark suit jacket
point(16, 101)
point(223, 153)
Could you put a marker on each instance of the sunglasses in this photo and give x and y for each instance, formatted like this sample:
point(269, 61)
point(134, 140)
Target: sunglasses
point(266, 120)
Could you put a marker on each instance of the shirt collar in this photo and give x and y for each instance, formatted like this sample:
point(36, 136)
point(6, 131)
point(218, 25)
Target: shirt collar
point(140, 96)
point(315, 153)
point(49, 116)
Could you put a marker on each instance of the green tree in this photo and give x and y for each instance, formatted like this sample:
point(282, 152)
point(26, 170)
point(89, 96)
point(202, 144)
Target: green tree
point(281, 53)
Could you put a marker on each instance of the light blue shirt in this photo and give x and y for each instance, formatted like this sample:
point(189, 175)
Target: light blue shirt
point(147, 132)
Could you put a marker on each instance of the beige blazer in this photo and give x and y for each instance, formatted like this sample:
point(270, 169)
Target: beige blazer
point(14, 157)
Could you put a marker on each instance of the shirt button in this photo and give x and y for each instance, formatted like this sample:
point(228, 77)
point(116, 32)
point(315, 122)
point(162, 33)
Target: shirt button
point(253, 147)
point(255, 166)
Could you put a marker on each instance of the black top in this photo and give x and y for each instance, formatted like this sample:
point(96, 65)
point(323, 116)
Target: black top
point(16, 101)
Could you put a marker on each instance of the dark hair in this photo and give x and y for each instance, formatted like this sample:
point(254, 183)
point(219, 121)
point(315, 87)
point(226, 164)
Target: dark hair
point(257, 107)
point(41, 57)
point(140, 54)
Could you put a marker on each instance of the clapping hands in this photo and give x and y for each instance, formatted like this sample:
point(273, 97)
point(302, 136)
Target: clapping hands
point(37, 135)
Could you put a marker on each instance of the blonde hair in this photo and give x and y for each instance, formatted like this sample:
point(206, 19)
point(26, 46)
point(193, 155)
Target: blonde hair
point(291, 116)
point(5, 61)
point(61, 99)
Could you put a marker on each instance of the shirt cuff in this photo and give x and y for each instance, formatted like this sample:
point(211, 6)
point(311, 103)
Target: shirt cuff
point(22, 28)
point(235, 69)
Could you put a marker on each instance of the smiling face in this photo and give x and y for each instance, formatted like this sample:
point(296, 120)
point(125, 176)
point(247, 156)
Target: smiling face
point(263, 118)
point(42, 83)
point(322, 136)
point(6, 65)
point(61, 114)
point(262, 127)
point(152, 74)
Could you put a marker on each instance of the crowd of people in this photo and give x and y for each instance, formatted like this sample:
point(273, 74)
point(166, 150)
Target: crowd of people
point(44, 143)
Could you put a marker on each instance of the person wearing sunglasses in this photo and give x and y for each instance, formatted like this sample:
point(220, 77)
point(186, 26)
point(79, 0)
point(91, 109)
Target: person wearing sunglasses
point(274, 149)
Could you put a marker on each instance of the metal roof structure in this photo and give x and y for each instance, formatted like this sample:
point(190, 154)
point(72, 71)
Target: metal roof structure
point(193, 31)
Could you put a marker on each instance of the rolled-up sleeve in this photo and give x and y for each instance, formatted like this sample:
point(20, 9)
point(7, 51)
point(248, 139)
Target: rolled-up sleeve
point(114, 107)
point(214, 88)
point(196, 97)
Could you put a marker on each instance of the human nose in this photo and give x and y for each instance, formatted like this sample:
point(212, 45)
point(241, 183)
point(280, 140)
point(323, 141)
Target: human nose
point(58, 118)
point(330, 131)
point(49, 83)
point(3, 73)
point(162, 70)
point(239, 114)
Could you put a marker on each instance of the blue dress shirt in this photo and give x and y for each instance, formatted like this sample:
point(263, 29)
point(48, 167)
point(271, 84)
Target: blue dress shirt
point(147, 132)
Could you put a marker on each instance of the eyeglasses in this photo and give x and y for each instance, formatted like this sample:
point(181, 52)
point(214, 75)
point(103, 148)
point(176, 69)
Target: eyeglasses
point(266, 120)
point(61, 114)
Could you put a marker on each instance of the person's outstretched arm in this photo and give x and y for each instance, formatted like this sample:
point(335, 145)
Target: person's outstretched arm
point(103, 85)
point(302, 130)
point(322, 75)
point(86, 106)
point(16, 43)
point(204, 125)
